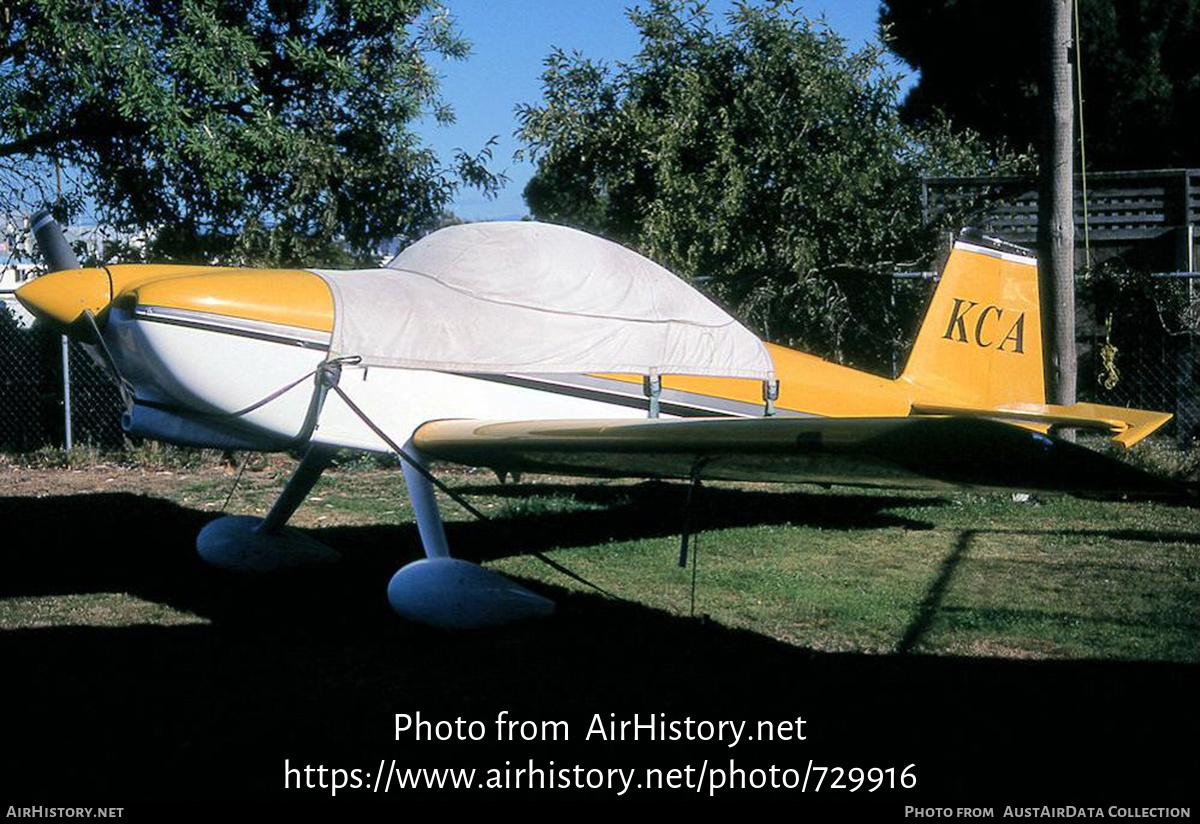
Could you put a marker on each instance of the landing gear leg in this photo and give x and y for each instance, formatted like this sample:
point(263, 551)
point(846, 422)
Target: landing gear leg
point(248, 544)
point(447, 592)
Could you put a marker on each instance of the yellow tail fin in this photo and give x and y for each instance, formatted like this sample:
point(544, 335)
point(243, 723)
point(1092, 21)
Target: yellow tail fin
point(981, 342)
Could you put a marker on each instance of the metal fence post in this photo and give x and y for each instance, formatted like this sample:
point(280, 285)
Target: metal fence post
point(66, 385)
point(1187, 405)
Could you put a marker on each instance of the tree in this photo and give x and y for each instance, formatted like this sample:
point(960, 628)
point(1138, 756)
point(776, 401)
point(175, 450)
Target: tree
point(208, 118)
point(760, 157)
point(1140, 69)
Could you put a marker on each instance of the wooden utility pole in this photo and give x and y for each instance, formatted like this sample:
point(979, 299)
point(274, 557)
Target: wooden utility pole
point(1056, 205)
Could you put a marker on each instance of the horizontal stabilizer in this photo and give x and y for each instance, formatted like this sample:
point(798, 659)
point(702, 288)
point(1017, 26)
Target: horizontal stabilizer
point(1126, 426)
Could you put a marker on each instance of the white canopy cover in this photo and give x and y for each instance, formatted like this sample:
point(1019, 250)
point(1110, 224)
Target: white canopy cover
point(533, 297)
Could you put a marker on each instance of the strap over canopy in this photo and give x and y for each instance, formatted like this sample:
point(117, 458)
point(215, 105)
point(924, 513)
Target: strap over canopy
point(533, 297)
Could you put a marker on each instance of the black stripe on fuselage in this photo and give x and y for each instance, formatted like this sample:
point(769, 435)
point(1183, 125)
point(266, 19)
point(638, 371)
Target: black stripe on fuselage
point(257, 330)
point(620, 393)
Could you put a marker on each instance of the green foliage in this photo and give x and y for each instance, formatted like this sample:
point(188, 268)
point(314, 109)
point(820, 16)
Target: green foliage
point(758, 156)
point(1147, 344)
point(208, 117)
point(1140, 66)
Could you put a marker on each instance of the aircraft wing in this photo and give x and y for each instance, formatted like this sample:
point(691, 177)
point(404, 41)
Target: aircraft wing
point(913, 452)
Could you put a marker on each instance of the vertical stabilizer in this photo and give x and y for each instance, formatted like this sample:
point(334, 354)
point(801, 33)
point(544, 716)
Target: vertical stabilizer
point(980, 344)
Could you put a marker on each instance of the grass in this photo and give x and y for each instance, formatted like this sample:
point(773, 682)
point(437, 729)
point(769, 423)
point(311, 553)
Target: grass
point(100, 609)
point(1161, 456)
point(962, 633)
point(965, 574)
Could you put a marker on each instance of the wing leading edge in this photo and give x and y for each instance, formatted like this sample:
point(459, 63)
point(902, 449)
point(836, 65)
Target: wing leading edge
point(915, 452)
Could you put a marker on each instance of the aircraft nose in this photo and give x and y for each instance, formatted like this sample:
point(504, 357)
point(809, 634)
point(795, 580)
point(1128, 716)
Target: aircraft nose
point(62, 297)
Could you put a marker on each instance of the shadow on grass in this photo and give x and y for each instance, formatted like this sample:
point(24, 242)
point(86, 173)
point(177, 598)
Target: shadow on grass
point(932, 602)
point(146, 546)
point(312, 666)
point(175, 712)
point(658, 510)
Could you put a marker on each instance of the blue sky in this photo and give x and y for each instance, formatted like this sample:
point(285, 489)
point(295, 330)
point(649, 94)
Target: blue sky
point(510, 39)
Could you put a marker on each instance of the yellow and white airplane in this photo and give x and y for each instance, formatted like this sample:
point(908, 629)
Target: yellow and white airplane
point(529, 347)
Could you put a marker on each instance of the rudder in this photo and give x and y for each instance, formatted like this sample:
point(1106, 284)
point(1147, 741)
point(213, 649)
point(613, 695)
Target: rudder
point(980, 344)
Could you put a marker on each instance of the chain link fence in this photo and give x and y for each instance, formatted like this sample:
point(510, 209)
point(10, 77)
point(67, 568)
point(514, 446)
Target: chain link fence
point(35, 398)
point(95, 402)
point(27, 387)
point(1141, 345)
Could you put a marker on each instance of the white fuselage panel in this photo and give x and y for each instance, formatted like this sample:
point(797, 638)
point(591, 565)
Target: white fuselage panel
point(219, 373)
